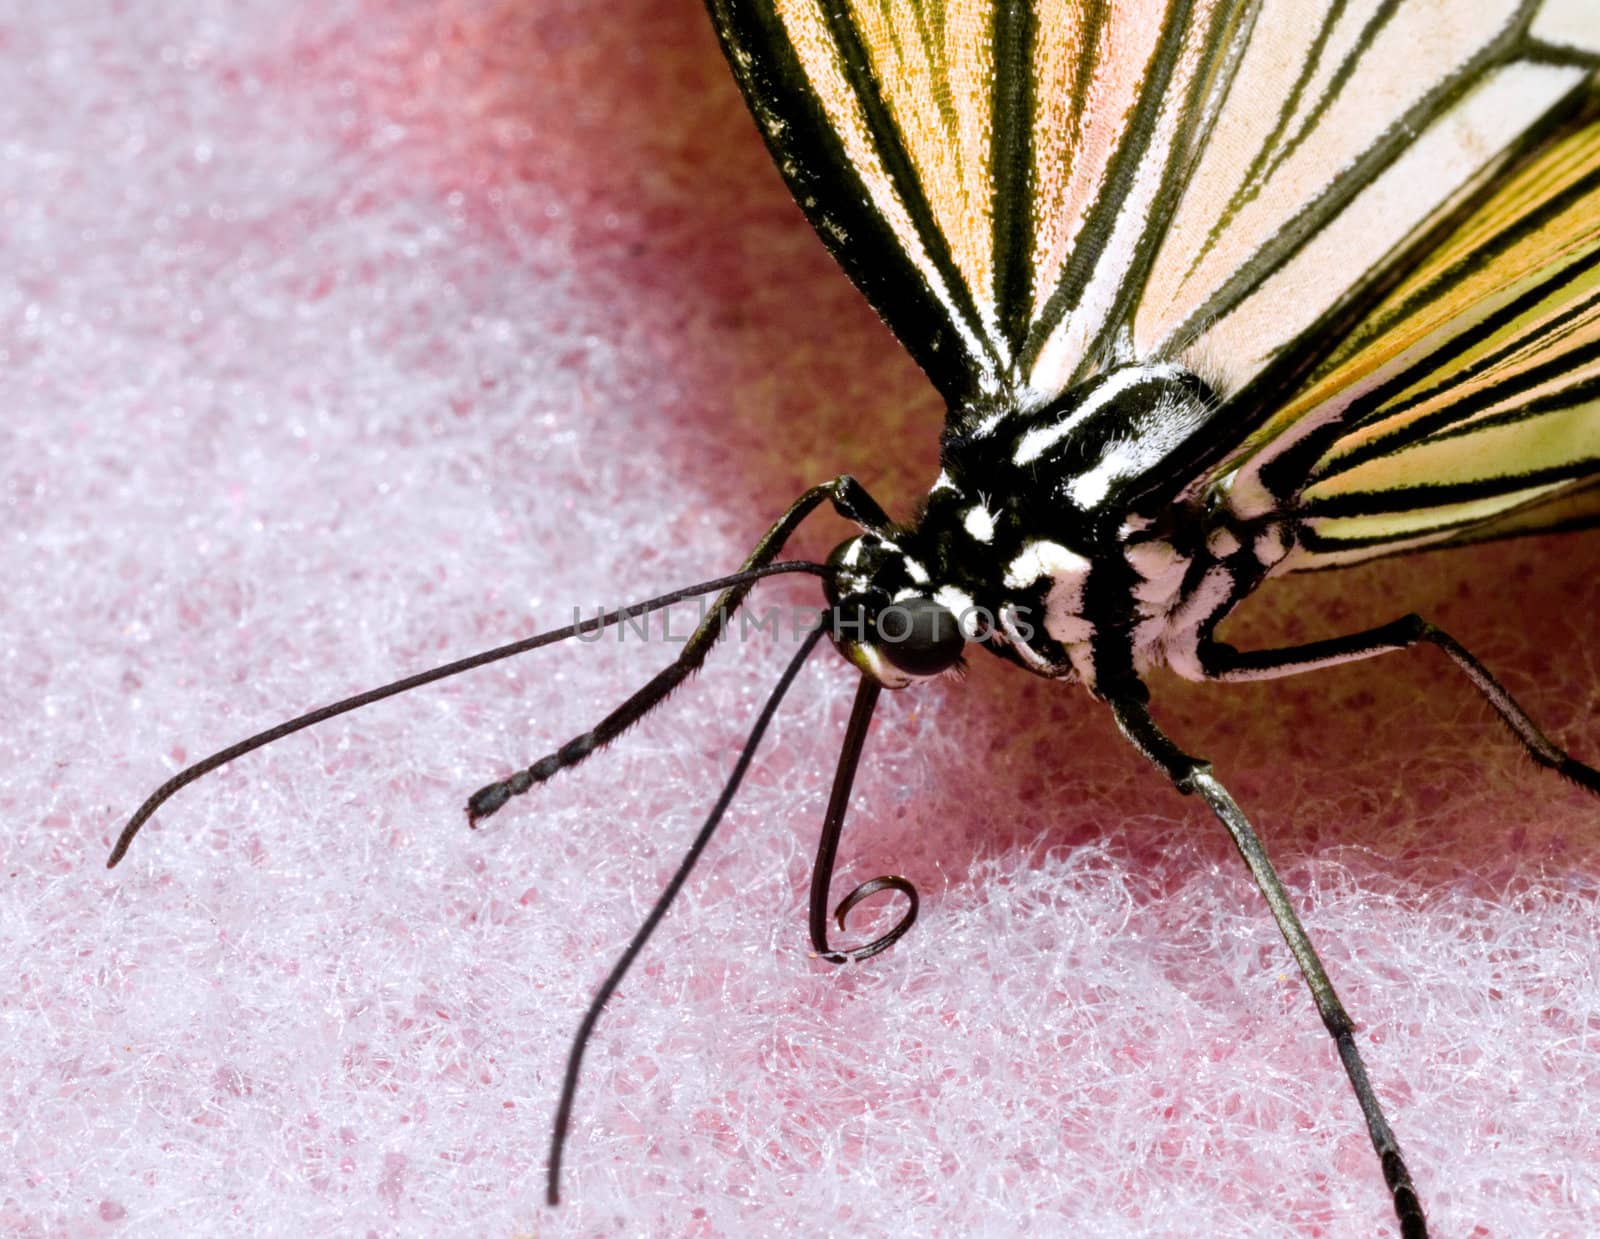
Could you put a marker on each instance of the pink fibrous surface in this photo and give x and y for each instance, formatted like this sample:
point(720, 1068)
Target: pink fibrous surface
point(341, 339)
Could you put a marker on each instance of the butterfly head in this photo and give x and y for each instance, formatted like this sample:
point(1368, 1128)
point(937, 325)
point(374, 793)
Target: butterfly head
point(890, 618)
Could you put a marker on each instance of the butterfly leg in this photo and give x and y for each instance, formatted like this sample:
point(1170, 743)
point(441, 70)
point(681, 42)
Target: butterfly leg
point(1223, 662)
point(849, 499)
point(1191, 775)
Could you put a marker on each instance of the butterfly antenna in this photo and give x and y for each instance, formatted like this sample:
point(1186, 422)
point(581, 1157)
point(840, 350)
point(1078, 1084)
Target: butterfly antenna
point(849, 500)
point(580, 1041)
point(488, 800)
point(740, 581)
point(855, 738)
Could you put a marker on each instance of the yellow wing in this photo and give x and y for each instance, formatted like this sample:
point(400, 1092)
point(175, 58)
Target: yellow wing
point(1029, 191)
point(1466, 405)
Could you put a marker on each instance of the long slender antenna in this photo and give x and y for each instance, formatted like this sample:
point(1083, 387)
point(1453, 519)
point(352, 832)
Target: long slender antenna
point(844, 776)
point(580, 1041)
point(848, 499)
point(185, 777)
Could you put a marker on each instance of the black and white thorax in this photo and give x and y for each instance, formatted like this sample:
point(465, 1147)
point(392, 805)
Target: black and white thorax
point(1063, 539)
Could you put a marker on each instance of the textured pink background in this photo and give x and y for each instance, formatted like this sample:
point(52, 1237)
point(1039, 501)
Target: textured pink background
point(338, 339)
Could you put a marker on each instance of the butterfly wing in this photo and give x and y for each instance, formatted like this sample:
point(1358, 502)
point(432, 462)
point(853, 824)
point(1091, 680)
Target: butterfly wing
point(978, 168)
point(1028, 191)
point(1466, 405)
point(838, 105)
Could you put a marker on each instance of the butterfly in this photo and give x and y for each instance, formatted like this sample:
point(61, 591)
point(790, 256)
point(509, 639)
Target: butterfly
point(1214, 292)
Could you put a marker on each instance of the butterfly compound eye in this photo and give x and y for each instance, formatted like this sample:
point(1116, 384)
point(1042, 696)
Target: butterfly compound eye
point(919, 636)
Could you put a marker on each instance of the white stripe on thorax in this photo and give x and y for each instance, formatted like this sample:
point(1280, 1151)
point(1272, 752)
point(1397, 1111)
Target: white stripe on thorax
point(1037, 442)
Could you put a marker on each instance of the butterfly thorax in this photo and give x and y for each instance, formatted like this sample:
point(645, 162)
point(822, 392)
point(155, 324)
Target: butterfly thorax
point(1063, 539)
